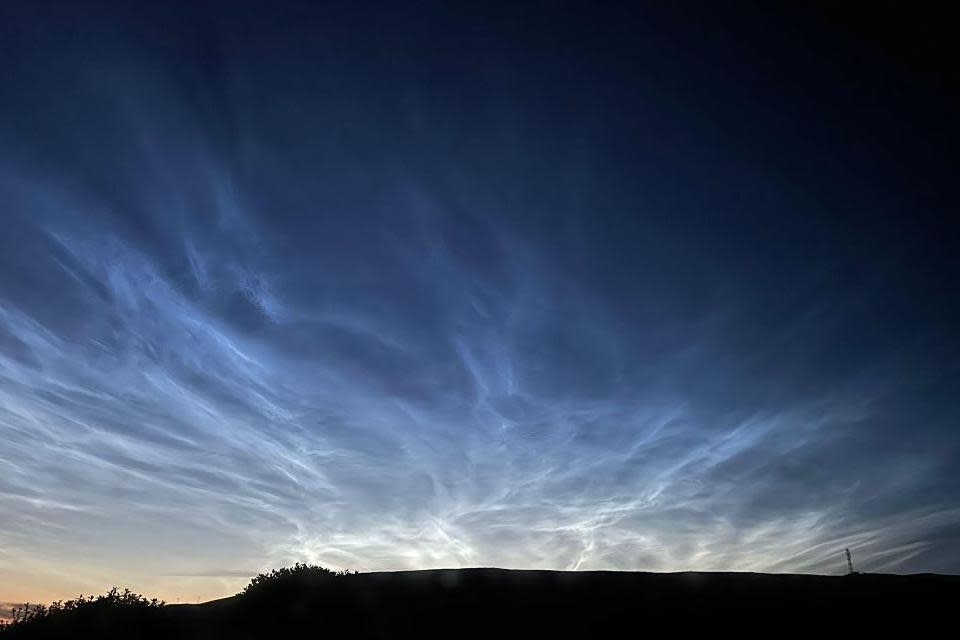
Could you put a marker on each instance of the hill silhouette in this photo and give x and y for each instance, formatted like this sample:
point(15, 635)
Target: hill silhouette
point(310, 602)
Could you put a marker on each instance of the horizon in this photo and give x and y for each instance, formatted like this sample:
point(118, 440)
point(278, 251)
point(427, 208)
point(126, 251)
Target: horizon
point(6, 606)
point(539, 285)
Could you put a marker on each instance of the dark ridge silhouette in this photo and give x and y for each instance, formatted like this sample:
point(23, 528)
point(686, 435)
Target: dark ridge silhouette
point(312, 602)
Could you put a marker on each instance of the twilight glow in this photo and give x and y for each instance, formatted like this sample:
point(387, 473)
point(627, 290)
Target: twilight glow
point(379, 290)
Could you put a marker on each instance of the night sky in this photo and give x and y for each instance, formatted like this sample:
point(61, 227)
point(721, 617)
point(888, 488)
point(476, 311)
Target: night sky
point(544, 285)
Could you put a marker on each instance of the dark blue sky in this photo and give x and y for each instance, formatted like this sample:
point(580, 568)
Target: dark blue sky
point(408, 285)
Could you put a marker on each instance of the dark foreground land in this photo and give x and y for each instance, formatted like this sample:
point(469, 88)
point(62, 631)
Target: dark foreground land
point(476, 603)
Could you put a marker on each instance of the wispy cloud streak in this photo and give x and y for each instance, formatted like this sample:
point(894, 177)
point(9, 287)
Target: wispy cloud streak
point(228, 352)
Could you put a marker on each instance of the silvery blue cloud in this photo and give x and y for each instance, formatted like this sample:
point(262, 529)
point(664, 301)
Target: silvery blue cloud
point(383, 292)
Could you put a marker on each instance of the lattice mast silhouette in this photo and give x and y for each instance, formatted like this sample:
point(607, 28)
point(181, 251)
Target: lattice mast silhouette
point(850, 570)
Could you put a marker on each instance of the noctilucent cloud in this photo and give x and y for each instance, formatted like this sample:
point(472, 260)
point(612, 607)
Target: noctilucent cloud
point(391, 287)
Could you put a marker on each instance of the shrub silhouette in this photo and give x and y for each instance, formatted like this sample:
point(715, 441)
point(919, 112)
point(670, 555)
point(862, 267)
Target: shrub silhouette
point(80, 610)
point(282, 596)
point(300, 577)
point(294, 599)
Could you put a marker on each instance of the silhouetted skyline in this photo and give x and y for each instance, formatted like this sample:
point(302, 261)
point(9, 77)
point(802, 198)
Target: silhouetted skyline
point(413, 285)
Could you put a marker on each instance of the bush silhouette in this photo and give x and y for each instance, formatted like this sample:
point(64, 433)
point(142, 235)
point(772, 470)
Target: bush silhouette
point(283, 596)
point(295, 600)
point(80, 611)
point(298, 577)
